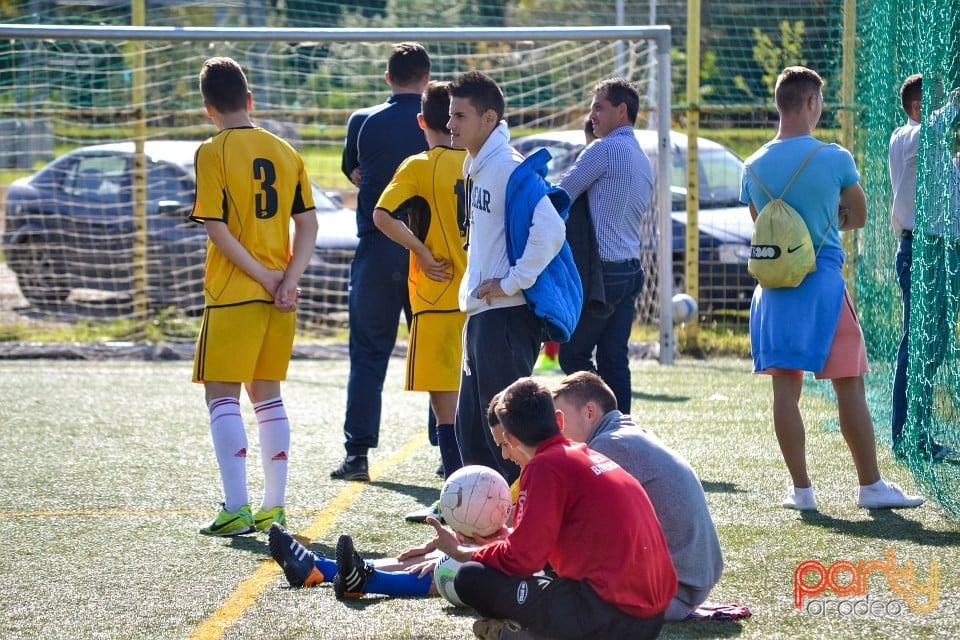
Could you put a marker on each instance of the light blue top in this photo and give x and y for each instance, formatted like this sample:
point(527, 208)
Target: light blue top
point(815, 194)
point(616, 175)
point(793, 327)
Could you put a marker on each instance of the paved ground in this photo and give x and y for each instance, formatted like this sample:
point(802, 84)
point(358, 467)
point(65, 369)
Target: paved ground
point(10, 297)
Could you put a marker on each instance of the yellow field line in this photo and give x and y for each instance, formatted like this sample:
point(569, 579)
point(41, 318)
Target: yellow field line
point(250, 589)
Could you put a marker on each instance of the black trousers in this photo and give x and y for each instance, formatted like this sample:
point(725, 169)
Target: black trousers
point(501, 345)
point(549, 606)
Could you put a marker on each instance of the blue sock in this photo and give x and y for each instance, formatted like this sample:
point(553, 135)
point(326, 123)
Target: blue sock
point(397, 583)
point(449, 452)
point(327, 567)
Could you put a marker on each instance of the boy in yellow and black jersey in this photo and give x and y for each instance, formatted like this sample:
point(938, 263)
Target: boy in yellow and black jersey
point(429, 187)
point(250, 185)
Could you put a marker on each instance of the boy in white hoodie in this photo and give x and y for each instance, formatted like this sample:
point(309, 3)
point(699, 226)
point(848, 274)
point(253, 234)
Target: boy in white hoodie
point(502, 336)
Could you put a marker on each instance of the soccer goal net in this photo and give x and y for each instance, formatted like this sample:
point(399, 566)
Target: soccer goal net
point(82, 240)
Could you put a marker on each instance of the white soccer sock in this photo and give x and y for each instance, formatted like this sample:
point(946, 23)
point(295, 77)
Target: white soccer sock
point(274, 428)
point(230, 445)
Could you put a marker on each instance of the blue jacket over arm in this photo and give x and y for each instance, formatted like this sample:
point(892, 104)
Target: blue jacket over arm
point(557, 295)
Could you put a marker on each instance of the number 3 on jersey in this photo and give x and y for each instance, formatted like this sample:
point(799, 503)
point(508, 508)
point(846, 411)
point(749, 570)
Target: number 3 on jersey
point(266, 198)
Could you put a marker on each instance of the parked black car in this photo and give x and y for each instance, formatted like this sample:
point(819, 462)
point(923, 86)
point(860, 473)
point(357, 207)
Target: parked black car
point(71, 226)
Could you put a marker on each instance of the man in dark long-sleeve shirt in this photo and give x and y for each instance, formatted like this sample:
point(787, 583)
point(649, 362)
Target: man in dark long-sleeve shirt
point(378, 140)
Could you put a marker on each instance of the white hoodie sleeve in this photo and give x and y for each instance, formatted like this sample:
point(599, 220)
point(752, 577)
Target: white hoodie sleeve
point(547, 233)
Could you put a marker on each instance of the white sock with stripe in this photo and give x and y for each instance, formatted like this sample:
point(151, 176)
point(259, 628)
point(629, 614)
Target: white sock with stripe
point(230, 445)
point(274, 429)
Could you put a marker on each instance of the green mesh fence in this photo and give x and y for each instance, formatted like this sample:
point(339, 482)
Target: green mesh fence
point(901, 38)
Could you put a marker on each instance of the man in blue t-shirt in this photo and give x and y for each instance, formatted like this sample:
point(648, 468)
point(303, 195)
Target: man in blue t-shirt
point(812, 327)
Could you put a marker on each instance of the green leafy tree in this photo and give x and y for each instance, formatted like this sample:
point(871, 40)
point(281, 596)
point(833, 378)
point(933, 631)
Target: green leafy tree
point(710, 76)
point(772, 58)
point(492, 13)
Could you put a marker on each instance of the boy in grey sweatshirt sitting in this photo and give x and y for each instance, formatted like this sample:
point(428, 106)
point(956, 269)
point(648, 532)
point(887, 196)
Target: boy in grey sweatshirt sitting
point(590, 416)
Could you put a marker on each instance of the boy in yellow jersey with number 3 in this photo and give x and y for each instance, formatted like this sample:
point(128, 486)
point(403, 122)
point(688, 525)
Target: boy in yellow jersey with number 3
point(250, 184)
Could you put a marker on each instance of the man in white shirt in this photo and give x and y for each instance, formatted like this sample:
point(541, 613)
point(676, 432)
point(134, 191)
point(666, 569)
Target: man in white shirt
point(616, 176)
point(904, 147)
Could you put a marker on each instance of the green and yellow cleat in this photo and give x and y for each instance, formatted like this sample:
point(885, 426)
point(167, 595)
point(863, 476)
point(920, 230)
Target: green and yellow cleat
point(263, 518)
point(230, 523)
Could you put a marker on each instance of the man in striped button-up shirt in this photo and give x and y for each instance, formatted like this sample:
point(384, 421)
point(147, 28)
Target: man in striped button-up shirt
point(615, 174)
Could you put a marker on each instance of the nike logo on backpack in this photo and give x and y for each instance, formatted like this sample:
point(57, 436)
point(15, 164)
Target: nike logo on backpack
point(792, 249)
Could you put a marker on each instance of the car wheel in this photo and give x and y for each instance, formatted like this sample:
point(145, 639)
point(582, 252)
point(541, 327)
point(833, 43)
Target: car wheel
point(41, 273)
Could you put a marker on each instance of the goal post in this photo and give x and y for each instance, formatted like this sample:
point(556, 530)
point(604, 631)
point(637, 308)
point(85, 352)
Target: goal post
point(77, 80)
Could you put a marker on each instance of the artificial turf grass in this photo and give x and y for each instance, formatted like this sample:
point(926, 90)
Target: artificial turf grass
point(108, 479)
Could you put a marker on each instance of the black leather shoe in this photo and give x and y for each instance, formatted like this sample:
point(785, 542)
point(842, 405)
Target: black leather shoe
point(352, 468)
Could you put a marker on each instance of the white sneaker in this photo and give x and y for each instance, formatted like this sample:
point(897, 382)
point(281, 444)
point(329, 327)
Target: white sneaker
point(800, 499)
point(886, 495)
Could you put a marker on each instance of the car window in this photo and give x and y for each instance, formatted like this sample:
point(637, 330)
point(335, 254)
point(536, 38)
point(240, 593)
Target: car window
point(719, 168)
point(719, 178)
point(322, 203)
point(678, 175)
point(562, 155)
point(562, 158)
point(95, 178)
point(168, 182)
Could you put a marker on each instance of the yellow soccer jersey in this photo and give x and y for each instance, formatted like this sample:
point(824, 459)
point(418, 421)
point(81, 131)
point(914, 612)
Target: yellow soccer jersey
point(430, 187)
point(253, 181)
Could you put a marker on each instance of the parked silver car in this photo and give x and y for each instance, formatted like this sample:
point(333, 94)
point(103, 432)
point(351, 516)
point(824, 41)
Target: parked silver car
point(724, 224)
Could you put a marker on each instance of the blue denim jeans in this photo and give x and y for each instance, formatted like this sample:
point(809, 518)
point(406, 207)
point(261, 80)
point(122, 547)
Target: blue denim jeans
point(936, 315)
point(902, 264)
point(608, 331)
point(378, 294)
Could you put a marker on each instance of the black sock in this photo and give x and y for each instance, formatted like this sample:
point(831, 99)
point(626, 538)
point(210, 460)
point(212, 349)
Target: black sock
point(432, 429)
point(449, 452)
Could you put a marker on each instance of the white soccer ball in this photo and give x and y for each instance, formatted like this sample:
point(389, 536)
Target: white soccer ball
point(475, 500)
point(443, 576)
point(684, 308)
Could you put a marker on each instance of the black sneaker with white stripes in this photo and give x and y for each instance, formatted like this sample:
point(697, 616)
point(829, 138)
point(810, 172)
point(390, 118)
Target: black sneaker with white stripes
point(352, 570)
